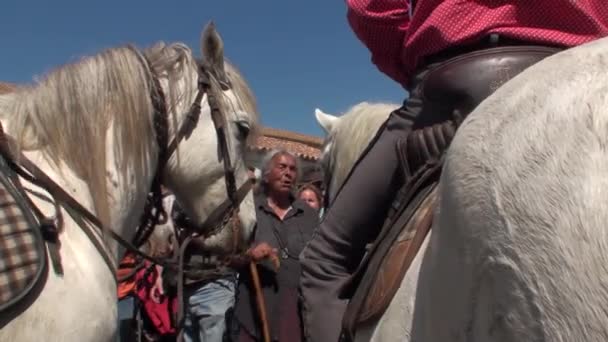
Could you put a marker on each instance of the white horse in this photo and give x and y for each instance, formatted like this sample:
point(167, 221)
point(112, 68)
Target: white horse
point(518, 250)
point(89, 126)
point(520, 245)
point(347, 136)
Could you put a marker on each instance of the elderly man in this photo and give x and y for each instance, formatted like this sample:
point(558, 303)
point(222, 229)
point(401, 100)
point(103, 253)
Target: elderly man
point(285, 225)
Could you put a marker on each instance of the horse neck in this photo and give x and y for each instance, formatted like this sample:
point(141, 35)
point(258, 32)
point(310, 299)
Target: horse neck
point(126, 190)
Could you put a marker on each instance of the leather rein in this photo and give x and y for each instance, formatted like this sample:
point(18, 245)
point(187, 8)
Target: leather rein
point(226, 212)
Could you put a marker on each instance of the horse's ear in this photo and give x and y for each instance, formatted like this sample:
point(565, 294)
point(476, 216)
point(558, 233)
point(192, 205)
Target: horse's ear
point(327, 121)
point(212, 48)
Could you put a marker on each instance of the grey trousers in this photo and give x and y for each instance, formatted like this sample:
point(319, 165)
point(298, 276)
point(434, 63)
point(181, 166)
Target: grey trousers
point(352, 221)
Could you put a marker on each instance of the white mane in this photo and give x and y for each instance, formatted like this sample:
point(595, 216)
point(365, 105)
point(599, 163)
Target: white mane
point(87, 95)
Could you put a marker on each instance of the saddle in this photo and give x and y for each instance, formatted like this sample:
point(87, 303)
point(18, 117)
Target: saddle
point(22, 241)
point(458, 85)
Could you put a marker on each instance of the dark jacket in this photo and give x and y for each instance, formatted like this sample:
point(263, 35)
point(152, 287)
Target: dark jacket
point(281, 288)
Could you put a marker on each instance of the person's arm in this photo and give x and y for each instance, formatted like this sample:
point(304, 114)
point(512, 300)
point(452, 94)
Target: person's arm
point(381, 25)
point(157, 291)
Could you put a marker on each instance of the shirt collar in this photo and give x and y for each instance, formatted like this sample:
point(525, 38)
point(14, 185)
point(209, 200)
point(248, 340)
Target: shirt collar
point(296, 204)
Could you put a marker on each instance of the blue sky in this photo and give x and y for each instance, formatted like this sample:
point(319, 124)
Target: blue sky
point(296, 55)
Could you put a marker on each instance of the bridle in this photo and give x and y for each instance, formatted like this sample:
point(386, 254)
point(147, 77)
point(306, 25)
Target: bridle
point(224, 214)
point(227, 212)
point(154, 213)
point(228, 208)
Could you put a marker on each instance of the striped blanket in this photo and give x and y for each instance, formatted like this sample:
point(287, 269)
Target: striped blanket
point(22, 248)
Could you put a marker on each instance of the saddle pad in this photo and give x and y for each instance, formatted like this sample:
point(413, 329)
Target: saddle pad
point(22, 258)
point(387, 263)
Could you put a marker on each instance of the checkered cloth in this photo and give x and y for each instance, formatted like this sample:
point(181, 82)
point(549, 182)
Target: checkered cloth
point(21, 248)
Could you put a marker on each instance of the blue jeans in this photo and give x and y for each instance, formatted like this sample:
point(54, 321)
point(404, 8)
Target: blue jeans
point(205, 319)
point(125, 317)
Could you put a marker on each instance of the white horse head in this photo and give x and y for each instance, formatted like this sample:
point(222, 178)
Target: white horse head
point(347, 136)
point(200, 191)
point(89, 126)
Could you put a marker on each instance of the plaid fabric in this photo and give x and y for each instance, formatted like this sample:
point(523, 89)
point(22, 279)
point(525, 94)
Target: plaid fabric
point(21, 247)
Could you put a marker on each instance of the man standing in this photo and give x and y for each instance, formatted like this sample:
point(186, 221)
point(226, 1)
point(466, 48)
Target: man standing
point(285, 224)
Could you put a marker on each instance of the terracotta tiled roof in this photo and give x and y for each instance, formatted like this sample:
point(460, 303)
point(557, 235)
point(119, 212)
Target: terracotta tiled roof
point(6, 88)
point(304, 146)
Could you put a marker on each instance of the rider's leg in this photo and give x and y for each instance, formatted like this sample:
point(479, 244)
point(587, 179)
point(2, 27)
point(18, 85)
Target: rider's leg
point(350, 223)
point(353, 220)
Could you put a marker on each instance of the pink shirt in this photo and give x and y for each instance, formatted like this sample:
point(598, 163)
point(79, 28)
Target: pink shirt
point(398, 41)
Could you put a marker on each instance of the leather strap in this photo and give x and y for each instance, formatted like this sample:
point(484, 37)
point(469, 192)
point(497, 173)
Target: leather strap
point(222, 212)
point(33, 173)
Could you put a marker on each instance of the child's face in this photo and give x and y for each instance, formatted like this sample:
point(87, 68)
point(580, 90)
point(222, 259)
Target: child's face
point(310, 198)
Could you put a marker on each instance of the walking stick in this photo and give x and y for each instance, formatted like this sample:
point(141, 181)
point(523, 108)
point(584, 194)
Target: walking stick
point(260, 295)
point(260, 300)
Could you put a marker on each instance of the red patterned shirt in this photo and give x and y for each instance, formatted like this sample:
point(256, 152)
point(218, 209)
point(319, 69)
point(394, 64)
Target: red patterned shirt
point(398, 40)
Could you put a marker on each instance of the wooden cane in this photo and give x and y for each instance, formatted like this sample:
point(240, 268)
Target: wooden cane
point(260, 300)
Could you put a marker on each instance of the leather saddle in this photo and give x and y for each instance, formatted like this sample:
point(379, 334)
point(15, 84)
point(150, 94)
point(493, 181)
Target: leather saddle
point(458, 85)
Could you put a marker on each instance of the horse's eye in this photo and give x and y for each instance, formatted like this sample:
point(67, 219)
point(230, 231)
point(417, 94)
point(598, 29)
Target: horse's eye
point(244, 128)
